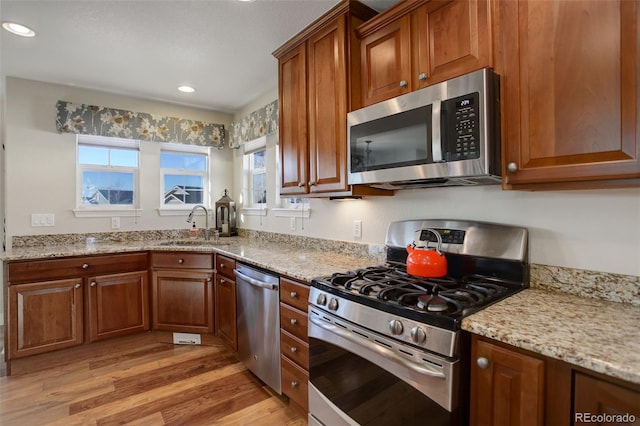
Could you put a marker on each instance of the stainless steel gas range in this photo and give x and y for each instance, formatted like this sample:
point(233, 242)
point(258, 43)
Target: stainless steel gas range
point(386, 347)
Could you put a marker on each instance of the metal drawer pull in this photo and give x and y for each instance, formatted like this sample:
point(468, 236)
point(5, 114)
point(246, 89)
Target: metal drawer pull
point(93, 284)
point(76, 286)
point(294, 384)
point(422, 76)
point(180, 260)
point(403, 83)
point(294, 349)
point(294, 321)
point(482, 362)
point(294, 294)
point(85, 266)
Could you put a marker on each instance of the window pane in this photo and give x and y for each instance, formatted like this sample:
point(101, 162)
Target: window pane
point(124, 158)
point(107, 188)
point(93, 155)
point(172, 160)
point(183, 189)
point(259, 188)
point(259, 159)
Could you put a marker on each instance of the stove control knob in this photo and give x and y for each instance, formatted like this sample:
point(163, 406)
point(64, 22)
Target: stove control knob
point(333, 304)
point(322, 299)
point(418, 335)
point(395, 327)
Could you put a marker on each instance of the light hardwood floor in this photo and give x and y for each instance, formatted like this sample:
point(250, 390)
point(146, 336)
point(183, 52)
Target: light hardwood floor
point(137, 380)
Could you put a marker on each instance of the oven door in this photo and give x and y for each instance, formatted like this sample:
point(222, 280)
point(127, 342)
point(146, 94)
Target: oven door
point(357, 377)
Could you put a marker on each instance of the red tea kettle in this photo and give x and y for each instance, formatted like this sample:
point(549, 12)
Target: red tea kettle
point(423, 261)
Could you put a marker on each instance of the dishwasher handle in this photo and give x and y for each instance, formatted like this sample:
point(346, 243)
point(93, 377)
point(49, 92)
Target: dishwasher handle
point(254, 282)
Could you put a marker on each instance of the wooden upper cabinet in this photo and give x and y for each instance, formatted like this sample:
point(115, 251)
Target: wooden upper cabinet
point(386, 61)
point(318, 85)
point(327, 108)
point(419, 43)
point(292, 95)
point(507, 387)
point(452, 40)
point(569, 91)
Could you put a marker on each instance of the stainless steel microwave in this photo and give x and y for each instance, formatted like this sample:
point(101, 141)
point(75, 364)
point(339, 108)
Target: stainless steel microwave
point(443, 135)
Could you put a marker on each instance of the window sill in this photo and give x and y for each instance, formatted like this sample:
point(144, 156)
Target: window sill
point(254, 211)
point(305, 213)
point(107, 212)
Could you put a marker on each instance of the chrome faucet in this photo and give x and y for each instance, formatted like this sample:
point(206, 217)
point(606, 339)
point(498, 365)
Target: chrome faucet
point(207, 231)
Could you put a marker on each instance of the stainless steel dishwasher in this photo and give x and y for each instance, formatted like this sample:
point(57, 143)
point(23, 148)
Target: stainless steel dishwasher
point(258, 309)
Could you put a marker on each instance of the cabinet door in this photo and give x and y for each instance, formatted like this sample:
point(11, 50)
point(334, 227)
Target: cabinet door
point(118, 305)
point(570, 90)
point(294, 151)
point(452, 40)
point(44, 316)
point(328, 108)
point(595, 397)
point(507, 387)
point(226, 310)
point(386, 62)
point(183, 301)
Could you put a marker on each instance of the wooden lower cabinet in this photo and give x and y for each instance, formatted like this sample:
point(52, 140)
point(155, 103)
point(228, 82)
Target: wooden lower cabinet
point(512, 386)
point(58, 303)
point(44, 316)
point(118, 304)
point(225, 309)
point(294, 341)
point(595, 397)
point(507, 387)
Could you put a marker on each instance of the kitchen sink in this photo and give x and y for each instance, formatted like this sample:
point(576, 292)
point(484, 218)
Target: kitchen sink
point(190, 243)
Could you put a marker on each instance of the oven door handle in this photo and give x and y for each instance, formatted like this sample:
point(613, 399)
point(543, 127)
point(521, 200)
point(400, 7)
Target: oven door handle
point(346, 334)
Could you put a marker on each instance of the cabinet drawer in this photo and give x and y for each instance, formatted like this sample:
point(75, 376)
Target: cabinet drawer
point(295, 382)
point(294, 321)
point(39, 270)
point(225, 266)
point(294, 293)
point(180, 260)
point(294, 349)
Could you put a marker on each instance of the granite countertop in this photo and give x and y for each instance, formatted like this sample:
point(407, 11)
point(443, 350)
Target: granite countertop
point(283, 259)
point(595, 334)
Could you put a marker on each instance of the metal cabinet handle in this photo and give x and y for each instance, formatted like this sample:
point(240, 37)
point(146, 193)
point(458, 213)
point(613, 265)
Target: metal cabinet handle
point(312, 183)
point(512, 167)
point(294, 321)
point(209, 280)
point(294, 384)
point(85, 266)
point(222, 266)
point(93, 284)
point(482, 362)
point(294, 349)
point(300, 184)
point(180, 261)
point(77, 286)
point(403, 83)
point(422, 76)
point(294, 294)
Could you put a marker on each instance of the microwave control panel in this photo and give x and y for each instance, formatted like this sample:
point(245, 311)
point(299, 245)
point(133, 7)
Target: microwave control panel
point(461, 124)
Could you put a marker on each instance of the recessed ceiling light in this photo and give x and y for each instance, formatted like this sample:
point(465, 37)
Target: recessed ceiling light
point(186, 89)
point(18, 29)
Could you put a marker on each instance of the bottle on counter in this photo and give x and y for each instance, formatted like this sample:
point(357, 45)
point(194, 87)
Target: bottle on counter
point(193, 232)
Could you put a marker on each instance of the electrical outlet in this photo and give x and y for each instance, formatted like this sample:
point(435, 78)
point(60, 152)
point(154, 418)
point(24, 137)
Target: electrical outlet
point(357, 229)
point(115, 222)
point(292, 223)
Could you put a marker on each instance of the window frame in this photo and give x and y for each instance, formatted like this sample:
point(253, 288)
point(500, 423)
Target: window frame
point(82, 209)
point(206, 174)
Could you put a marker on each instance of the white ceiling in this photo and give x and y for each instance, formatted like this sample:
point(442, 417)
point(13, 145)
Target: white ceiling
point(147, 48)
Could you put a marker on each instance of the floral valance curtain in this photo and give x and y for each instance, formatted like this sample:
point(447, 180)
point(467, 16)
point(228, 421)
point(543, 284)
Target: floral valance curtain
point(261, 122)
point(104, 121)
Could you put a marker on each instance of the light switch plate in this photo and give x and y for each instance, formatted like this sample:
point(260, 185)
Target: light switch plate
point(115, 222)
point(357, 229)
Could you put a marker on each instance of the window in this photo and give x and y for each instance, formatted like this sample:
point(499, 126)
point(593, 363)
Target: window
point(107, 172)
point(184, 174)
point(258, 173)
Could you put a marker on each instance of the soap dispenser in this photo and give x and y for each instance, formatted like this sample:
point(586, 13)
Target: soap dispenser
point(193, 232)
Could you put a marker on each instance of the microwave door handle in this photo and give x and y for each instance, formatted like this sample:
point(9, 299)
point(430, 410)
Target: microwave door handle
point(436, 132)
